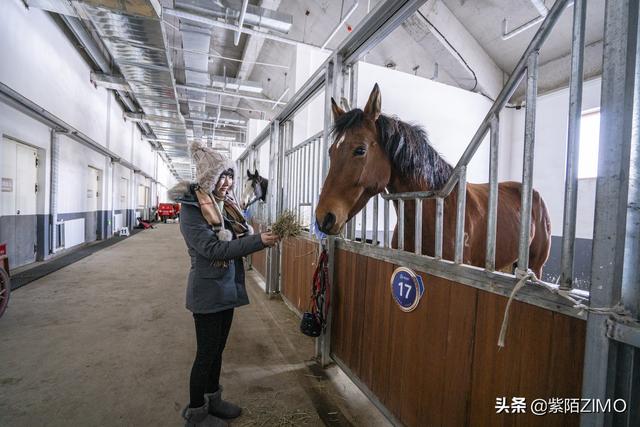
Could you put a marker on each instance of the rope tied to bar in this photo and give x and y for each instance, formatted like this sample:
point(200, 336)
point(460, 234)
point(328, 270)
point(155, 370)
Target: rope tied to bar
point(618, 312)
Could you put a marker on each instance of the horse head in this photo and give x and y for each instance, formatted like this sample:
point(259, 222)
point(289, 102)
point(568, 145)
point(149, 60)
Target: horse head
point(254, 188)
point(359, 168)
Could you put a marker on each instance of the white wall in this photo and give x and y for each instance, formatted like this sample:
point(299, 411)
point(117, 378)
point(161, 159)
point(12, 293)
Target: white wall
point(449, 115)
point(72, 182)
point(552, 114)
point(309, 120)
point(41, 64)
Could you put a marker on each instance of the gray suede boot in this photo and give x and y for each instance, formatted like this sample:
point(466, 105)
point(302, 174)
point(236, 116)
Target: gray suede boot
point(200, 417)
point(221, 408)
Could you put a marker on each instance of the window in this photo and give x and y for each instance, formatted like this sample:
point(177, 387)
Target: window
point(589, 139)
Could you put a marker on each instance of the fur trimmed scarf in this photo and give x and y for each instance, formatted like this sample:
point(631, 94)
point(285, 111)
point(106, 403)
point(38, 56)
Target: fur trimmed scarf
point(209, 206)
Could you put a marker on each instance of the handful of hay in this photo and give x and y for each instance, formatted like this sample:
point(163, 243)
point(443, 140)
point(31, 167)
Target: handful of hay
point(287, 225)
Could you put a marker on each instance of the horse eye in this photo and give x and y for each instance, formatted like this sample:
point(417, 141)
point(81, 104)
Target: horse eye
point(360, 151)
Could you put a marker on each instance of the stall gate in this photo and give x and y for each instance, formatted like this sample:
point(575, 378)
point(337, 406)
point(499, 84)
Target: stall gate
point(440, 364)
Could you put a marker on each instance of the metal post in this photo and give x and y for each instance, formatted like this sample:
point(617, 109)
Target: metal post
point(333, 85)
point(602, 365)
point(401, 224)
point(315, 159)
point(385, 227)
point(308, 182)
point(299, 185)
point(418, 227)
point(573, 143)
point(439, 227)
point(492, 216)
point(460, 210)
point(275, 199)
point(374, 222)
point(363, 229)
point(527, 163)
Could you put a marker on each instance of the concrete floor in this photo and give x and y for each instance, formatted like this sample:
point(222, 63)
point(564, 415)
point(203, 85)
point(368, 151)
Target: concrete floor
point(107, 342)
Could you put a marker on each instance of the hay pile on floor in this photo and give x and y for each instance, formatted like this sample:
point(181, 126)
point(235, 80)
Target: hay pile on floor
point(287, 225)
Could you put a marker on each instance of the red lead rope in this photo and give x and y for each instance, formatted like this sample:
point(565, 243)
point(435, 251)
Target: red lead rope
point(320, 290)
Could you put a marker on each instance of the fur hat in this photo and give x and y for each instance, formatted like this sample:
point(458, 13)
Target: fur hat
point(209, 165)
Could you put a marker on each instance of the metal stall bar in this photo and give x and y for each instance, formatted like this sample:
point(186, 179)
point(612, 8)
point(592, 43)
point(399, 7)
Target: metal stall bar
point(492, 216)
point(298, 182)
point(460, 210)
point(353, 100)
point(374, 222)
point(573, 143)
point(401, 224)
point(526, 190)
point(363, 225)
point(312, 171)
point(309, 181)
point(418, 227)
point(605, 362)
point(439, 227)
point(385, 238)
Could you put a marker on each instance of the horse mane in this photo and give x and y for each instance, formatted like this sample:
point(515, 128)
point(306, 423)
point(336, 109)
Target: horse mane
point(407, 146)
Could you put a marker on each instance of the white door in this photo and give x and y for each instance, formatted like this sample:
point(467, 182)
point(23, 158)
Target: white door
point(18, 223)
point(123, 201)
point(92, 204)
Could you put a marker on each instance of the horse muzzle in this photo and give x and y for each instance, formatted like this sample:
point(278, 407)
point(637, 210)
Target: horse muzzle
point(327, 223)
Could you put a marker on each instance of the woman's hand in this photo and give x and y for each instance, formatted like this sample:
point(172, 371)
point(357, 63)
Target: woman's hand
point(269, 238)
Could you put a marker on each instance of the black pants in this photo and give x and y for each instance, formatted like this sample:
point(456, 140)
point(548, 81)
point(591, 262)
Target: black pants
point(212, 330)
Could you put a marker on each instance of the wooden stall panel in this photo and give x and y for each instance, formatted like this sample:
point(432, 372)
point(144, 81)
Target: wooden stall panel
point(440, 365)
point(542, 359)
point(299, 258)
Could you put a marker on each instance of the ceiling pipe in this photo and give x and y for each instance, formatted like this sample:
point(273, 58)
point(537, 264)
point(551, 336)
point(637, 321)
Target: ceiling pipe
point(219, 92)
point(280, 99)
point(243, 12)
point(182, 14)
point(542, 11)
point(340, 24)
point(231, 12)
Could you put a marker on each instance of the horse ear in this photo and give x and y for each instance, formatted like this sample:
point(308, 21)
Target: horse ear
point(255, 173)
point(249, 173)
point(374, 104)
point(335, 108)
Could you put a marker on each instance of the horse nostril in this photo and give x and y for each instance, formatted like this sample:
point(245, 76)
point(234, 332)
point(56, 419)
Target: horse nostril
point(328, 222)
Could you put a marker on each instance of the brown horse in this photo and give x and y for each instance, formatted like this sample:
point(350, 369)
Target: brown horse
point(373, 152)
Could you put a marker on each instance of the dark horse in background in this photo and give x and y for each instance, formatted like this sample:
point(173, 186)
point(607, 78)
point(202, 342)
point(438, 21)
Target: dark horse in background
point(373, 152)
point(255, 189)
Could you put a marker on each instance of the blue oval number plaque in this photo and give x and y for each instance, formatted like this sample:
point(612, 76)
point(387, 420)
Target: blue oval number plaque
point(407, 288)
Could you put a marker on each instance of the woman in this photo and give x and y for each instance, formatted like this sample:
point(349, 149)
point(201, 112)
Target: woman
point(217, 237)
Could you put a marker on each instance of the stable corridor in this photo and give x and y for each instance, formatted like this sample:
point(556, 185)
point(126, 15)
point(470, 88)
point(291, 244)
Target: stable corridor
point(106, 341)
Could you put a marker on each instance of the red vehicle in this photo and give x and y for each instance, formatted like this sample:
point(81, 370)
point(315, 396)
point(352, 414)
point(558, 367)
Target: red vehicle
point(168, 211)
point(5, 283)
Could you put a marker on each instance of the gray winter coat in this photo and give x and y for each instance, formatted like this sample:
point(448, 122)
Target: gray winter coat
point(211, 289)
